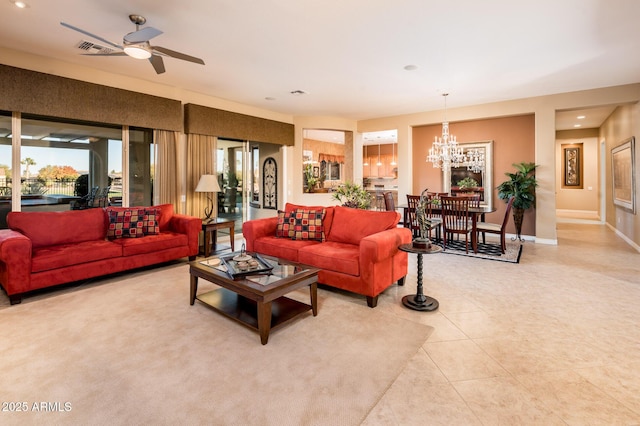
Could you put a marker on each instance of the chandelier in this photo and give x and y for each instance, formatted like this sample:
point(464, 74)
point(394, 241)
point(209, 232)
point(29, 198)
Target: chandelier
point(445, 152)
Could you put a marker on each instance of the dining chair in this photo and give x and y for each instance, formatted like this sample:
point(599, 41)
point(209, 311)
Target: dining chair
point(474, 199)
point(433, 219)
point(496, 228)
point(389, 203)
point(456, 219)
point(412, 204)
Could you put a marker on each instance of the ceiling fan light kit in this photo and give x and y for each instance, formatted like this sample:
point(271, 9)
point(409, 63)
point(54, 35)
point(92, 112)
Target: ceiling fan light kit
point(137, 52)
point(136, 45)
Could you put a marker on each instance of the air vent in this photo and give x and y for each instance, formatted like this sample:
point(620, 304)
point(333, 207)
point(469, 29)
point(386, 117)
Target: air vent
point(90, 47)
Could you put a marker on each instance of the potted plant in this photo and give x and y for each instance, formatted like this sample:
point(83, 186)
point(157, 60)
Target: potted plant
point(522, 186)
point(311, 181)
point(467, 183)
point(353, 195)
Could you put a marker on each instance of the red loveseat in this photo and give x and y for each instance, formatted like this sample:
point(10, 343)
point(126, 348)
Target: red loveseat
point(44, 249)
point(356, 250)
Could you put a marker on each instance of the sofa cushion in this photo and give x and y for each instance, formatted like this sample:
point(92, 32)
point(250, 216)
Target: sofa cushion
point(332, 256)
point(281, 247)
point(165, 212)
point(152, 243)
point(328, 214)
point(54, 228)
point(352, 225)
point(63, 255)
point(150, 224)
point(125, 223)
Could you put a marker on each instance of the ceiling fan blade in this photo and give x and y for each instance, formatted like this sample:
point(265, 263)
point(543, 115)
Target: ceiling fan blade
point(140, 36)
point(105, 54)
point(158, 63)
point(178, 55)
point(64, 24)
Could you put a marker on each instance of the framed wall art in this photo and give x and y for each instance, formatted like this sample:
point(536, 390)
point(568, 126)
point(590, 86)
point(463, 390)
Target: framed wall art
point(623, 159)
point(572, 166)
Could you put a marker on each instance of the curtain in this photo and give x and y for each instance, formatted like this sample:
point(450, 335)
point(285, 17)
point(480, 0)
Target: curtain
point(201, 153)
point(330, 158)
point(165, 187)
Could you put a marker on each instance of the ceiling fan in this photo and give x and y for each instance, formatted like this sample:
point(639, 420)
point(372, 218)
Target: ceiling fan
point(136, 45)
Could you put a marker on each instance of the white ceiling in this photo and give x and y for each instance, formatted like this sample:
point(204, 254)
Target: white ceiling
point(350, 56)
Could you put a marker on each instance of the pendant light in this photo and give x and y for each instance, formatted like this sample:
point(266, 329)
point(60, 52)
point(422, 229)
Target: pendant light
point(366, 157)
point(378, 163)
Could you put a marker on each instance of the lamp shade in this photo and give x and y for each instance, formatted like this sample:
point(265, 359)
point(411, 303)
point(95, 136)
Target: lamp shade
point(208, 183)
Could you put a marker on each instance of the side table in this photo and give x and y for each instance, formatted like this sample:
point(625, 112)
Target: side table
point(210, 227)
point(418, 301)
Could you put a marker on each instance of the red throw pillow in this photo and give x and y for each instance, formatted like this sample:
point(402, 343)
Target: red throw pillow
point(126, 223)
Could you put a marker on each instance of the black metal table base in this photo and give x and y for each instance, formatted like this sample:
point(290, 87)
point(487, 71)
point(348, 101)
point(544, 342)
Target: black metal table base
point(417, 303)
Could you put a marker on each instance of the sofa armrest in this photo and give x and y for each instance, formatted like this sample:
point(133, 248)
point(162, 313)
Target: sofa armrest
point(189, 225)
point(15, 261)
point(382, 245)
point(257, 228)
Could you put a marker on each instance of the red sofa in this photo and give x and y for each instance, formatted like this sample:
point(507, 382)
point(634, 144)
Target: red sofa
point(44, 249)
point(356, 250)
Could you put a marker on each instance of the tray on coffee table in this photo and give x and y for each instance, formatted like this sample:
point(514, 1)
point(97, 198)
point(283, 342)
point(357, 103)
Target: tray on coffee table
point(241, 264)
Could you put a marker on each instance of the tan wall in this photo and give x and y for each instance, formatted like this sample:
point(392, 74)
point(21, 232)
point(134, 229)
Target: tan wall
point(622, 124)
point(584, 199)
point(513, 142)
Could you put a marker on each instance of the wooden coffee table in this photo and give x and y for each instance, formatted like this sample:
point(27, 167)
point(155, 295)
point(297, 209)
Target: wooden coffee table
point(257, 301)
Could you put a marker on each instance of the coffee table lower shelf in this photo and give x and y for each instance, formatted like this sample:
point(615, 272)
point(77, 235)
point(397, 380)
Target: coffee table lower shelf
point(247, 312)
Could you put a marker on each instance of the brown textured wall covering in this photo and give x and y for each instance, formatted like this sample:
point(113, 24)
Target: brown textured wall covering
point(216, 122)
point(49, 95)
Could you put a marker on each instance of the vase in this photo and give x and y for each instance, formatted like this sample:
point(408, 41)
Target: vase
point(518, 216)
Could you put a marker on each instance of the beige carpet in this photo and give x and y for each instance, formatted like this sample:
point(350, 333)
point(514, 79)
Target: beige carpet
point(131, 350)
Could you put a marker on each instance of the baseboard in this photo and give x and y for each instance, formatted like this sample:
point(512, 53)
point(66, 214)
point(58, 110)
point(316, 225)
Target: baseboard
point(624, 237)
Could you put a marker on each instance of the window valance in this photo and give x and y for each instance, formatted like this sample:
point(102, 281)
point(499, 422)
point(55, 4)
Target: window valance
point(226, 124)
point(32, 92)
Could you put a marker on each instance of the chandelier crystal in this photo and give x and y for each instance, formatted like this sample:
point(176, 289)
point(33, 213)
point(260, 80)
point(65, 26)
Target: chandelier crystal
point(475, 160)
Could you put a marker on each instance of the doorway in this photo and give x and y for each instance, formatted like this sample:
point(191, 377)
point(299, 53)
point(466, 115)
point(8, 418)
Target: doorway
point(231, 157)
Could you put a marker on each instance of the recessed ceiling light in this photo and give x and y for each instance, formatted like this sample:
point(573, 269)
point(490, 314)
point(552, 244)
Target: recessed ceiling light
point(20, 4)
point(577, 125)
point(581, 117)
point(298, 92)
point(269, 98)
point(411, 67)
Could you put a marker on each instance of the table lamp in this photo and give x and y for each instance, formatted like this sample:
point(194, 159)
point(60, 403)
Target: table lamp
point(208, 183)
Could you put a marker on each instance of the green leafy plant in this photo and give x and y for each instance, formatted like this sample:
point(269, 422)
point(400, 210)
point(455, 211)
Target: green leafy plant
point(310, 179)
point(467, 182)
point(353, 195)
point(522, 186)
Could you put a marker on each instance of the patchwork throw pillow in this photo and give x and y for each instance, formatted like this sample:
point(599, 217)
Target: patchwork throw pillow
point(126, 223)
point(150, 224)
point(307, 224)
point(284, 229)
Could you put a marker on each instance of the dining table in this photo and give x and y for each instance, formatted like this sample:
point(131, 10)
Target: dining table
point(475, 213)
